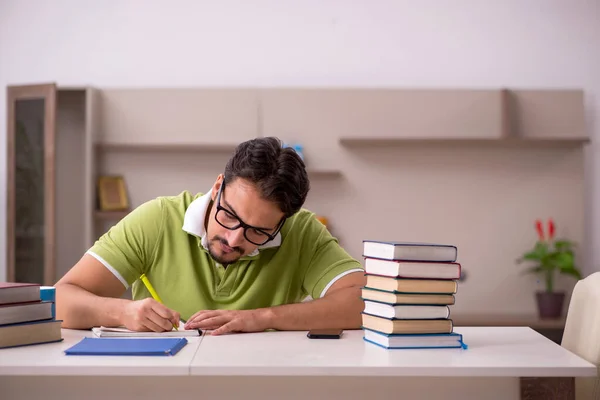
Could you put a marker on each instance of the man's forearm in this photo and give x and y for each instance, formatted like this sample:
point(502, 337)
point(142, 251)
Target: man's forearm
point(80, 309)
point(341, 309)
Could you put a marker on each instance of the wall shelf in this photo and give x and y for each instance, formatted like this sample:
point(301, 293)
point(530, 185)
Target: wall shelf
point(356, 142)
point(167, 147)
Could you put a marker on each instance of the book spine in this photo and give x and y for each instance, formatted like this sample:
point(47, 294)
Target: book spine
point(48, 293)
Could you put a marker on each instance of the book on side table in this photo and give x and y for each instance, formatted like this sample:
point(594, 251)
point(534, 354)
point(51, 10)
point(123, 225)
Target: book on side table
point(28, 315)
point(409, 290)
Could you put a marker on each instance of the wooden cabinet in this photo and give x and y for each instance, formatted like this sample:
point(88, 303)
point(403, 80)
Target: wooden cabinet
point(30, 184)
point(47, 196)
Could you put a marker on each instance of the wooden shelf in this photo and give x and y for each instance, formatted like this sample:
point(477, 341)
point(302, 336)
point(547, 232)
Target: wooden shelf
point(532, 321)
point(68, 88)
point(355, 142)
point(167, 147)
point(110, 215)
point(323, 173)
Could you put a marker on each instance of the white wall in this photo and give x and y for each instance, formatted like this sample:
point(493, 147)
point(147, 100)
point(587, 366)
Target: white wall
point(457, 43)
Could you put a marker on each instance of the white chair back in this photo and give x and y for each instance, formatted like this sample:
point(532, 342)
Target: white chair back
point(582, 332)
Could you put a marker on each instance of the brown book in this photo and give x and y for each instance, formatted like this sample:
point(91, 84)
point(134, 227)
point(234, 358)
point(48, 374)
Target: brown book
point(14, 292)
point(406, 326)
point(411, 285)
point(407, 298)
point(25, 312)
point(30, 333)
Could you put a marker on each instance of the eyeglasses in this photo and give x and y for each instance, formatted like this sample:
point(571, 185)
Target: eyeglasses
point(229, 220)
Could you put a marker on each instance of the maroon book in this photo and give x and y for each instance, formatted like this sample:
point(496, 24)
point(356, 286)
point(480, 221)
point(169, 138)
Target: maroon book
point(17, 292)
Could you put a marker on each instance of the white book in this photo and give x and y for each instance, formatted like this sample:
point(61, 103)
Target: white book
point(410, 251)
point(413, 269)
point(401, 311)
point(104, 331)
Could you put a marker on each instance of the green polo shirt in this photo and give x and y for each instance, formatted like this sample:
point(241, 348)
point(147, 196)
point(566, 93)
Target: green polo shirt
point(165, 239)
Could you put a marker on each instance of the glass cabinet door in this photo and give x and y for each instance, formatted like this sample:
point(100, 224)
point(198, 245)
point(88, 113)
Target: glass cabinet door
point(30, 183)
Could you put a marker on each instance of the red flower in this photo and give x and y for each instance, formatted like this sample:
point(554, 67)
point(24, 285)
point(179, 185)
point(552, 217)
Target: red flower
point(540, 229)
point(551, 229)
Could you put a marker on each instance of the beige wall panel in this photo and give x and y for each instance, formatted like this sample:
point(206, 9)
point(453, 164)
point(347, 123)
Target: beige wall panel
point(384, 113)
point(178, 116)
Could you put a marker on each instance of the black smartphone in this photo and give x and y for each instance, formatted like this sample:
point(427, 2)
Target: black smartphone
point(324, 333)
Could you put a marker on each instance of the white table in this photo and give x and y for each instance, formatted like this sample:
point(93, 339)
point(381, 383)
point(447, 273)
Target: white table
point(49, 359)
point(288, 365)
point(44, 371)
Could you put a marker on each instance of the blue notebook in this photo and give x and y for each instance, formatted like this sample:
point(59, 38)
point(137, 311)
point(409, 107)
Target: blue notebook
point(127, 347)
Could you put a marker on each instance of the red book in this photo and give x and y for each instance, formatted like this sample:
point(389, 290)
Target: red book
point(16, 292)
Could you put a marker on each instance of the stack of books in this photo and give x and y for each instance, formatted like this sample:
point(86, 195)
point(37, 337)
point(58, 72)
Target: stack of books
point(410, 288)
point(28, 315)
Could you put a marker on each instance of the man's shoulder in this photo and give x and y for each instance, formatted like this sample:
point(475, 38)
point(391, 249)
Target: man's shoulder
point(303, 222)
point(176, 204)
point(303, 215)
point(163, 210)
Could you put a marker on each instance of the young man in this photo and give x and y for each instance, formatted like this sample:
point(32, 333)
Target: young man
point(240, 258)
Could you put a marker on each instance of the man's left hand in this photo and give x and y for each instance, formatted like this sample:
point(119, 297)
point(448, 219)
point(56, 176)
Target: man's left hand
point(226, 321)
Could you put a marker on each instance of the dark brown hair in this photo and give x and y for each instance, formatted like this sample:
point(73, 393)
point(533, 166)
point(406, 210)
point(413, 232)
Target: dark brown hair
point(279, 173)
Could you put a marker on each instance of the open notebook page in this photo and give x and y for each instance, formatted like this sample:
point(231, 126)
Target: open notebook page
point(104, 331)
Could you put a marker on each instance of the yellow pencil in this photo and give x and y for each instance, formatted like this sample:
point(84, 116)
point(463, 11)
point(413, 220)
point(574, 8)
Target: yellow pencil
point(153, 292)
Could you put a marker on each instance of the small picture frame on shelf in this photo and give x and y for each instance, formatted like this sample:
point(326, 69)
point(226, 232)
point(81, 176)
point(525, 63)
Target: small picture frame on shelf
point(112, 194)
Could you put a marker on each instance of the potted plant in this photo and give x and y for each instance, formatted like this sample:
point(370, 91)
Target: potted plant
point(550, 257)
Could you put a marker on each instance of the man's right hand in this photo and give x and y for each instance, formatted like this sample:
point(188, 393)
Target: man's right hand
point(149, 315)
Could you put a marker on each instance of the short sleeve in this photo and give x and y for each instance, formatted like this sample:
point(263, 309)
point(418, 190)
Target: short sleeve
point(128, 248)
point(328, 262)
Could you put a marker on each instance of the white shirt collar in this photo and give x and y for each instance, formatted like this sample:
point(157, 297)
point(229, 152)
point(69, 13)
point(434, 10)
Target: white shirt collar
point(193, 223)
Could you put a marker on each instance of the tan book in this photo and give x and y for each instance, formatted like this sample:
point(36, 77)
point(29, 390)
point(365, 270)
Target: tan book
point(406, 326)
point(406, 298)
point(411, 285)
point(30, 333)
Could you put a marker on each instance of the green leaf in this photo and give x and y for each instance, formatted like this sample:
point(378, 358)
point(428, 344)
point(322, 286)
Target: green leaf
point(563, 245)
point(539, 252)
point(531, 256)
point(564, 260)
point(574, 272)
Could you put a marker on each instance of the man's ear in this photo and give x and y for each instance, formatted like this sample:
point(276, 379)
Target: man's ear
point(216, 187)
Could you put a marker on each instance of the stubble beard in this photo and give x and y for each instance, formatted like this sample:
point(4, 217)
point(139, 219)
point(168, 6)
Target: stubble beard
point(218, 259)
